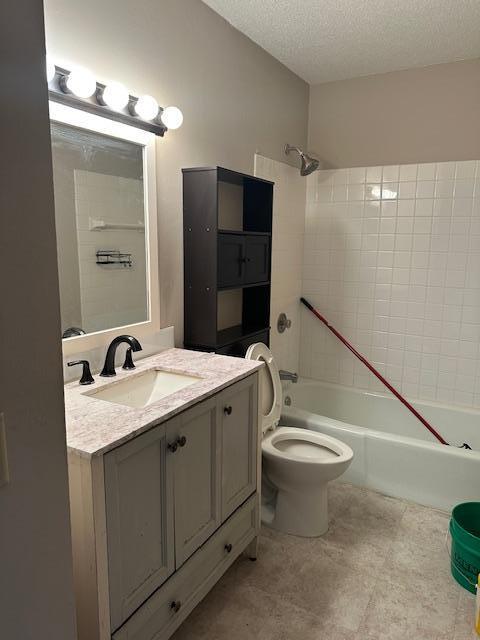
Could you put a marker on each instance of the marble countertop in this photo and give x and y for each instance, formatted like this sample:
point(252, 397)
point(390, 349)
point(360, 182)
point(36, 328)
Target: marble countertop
point(95, 426)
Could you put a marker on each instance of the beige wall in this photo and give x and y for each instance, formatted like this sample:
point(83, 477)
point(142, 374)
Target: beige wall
point(36, 592)
point(419, 115)
point(236, 98)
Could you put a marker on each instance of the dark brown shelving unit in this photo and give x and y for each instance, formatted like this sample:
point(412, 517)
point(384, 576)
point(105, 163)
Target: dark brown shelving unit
point(227, 220)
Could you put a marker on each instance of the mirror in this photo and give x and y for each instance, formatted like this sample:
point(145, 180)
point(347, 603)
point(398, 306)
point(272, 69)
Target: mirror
point(102, 228)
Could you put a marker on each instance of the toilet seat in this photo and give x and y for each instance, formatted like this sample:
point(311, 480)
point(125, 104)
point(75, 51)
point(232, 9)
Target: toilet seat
point(323, 449)
point(271, 385)
point(289, 443)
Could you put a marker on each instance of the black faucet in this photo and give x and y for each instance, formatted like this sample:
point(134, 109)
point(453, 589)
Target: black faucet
point(109, 367)
point(87, 377)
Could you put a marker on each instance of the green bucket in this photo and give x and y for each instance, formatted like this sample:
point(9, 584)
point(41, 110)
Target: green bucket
point(465, 532)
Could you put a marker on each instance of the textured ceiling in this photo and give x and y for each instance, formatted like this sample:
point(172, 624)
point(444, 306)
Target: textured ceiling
point(323, 40)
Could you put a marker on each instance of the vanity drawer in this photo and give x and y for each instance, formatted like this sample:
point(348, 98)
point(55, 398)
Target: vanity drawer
point(157, 618)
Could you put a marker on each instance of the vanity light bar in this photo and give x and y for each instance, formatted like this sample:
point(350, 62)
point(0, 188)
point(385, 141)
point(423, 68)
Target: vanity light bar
point(89, 96)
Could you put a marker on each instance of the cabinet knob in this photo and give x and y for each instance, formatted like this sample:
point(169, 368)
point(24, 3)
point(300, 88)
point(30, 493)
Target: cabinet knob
point(182, 441)
point(227, 410)
point(228, 547)
point(172, 447)
point(175, 606)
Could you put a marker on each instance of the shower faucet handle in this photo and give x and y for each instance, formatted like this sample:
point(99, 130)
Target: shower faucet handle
point(283, 323)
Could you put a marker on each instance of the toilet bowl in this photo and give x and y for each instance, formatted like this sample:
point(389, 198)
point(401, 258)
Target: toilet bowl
point(297, 463)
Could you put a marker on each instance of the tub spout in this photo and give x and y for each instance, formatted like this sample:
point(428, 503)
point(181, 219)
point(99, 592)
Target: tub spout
point(288, 375)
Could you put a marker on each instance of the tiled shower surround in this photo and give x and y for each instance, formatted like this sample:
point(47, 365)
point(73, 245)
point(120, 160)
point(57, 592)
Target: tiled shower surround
point(392, 259)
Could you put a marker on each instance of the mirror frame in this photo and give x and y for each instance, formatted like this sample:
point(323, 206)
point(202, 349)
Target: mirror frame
point(84, 120)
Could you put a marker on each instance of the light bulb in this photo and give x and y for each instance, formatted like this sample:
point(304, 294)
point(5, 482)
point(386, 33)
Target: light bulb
point(172, 117)
point(50, 69)
point(146, 107)
point(115, 96)
point(81, 82)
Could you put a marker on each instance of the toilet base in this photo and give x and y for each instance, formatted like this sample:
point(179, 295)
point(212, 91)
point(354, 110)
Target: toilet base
point(302, 514)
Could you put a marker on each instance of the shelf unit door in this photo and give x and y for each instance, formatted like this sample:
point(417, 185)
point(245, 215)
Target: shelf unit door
point(257, 259)
point(231, 259)
point(196, 478)
point(139, 508)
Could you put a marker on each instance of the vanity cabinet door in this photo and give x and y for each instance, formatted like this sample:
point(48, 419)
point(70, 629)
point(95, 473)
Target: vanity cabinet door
point(194, 450)
point(237, 416)
point(139, 511)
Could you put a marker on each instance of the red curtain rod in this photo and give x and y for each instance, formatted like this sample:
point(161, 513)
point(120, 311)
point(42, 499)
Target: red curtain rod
point(374, 371)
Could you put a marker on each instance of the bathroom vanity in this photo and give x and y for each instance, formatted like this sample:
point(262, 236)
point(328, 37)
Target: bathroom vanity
point(164, 491)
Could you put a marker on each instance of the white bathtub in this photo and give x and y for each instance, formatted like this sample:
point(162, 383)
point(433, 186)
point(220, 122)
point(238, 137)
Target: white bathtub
point(394, 453)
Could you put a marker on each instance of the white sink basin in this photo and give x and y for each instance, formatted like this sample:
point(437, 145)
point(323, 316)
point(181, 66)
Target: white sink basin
point(145, 388)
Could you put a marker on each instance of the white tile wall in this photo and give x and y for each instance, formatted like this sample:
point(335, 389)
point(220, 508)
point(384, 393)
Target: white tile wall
point(392, 258)
point(287, 255)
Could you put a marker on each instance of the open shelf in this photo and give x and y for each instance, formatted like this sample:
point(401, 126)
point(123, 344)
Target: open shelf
point(244, 202)
point(242, 312)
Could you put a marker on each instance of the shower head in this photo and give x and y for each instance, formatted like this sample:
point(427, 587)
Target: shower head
point(309, 164)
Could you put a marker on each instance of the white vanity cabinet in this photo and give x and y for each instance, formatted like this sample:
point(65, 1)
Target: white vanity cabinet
point(139, 521)
point(237, 411)
point(195, 461)
point(157, 520)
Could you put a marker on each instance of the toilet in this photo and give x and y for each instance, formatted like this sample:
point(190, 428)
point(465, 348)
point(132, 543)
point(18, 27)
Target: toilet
point(297, 463)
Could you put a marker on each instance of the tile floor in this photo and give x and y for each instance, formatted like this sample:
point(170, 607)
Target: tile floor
point(380, 573)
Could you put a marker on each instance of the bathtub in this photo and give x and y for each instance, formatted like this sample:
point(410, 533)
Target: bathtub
point(394, 453)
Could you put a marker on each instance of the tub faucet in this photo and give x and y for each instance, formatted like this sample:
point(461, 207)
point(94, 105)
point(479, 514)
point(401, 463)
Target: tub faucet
point(288, 375)
point(109, 366)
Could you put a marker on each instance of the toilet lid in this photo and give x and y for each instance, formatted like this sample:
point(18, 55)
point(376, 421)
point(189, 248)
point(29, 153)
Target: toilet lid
point(270, 385)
